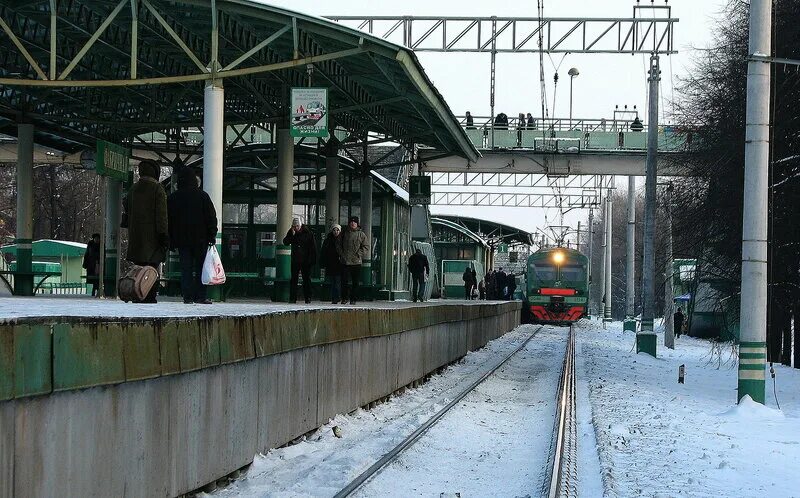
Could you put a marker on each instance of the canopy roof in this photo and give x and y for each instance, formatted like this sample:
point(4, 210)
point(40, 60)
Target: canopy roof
point(492, 232)
point(112, 71)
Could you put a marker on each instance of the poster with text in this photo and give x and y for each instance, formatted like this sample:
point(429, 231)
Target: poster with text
point(309, 116)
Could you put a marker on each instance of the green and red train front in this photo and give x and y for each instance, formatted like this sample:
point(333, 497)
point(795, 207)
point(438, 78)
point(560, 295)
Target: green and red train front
point(558, 285)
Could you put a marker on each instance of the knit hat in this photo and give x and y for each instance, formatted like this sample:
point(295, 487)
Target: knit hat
point(354, 219)
point(297, 221)
point(335, 226)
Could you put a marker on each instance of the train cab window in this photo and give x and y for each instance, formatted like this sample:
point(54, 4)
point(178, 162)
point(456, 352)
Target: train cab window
point(544, 271)
point(573, 273)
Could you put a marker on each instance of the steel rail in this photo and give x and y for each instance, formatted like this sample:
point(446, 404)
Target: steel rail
point(414, 436)
point(563, 473)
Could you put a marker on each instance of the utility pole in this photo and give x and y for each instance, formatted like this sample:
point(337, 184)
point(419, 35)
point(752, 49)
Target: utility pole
point(601, 304)
point(753, 308)
point(630, 259)
point(591, 243)
point(607, 266)
point(646, 338)
point(669, 331)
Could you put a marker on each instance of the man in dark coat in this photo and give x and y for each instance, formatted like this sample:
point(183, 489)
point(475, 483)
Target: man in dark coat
point(91, 262)
point(677, 321)
point(467, 278)
point(145, 217)
point(304, 256)
point(192, 229)
point(419, 268)
point(332, 262)
point(512, 286)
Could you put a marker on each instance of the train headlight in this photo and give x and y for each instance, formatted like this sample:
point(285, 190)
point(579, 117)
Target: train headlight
point(558, 257)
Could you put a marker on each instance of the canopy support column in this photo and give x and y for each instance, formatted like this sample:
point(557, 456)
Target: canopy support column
point(332, 188)
point(23, 280)
point(112, 221)
point(366, 225)
point(213, 150)
point(283, 254)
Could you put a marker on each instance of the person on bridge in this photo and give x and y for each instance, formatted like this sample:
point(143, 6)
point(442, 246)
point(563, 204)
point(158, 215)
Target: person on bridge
point(677, 322)
point(501, 121)
point(470, 121)
point(192, 229)
point(353, 249)
point(531, 122)
point(145, 217)
point(332, 262)
point(91, 262)
point(304, 256)
point(419, 268)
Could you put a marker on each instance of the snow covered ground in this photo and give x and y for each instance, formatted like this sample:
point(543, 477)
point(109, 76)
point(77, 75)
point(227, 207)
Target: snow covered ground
point(492, 444)
point(658, 438)
point(641, 433)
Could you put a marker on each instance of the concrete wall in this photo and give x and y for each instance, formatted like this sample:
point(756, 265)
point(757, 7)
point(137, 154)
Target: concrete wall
point(232, 387)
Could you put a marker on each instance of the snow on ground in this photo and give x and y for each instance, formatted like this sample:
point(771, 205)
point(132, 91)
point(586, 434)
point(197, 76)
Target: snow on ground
point(495, 442)
point(85, 306)
point(658, 438)
point(321, 464)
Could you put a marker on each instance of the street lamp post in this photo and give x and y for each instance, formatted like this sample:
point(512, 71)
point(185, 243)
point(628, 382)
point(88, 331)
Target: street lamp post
point(572, 73)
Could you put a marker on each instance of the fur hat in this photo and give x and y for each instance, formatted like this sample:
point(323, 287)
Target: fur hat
point(354, 219)
point(297, 221)
point(335, 226)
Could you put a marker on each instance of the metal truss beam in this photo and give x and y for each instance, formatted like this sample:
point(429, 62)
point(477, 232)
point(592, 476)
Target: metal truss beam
point(520, 180)
point(520, 34)
point(544, 200)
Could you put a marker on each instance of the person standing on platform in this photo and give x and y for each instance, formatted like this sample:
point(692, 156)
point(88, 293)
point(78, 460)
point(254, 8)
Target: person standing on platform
point(304, 256)
point(467, 278)
point(333, 263)
point(91, 262)
point(145, 217)
point(353, 249)
point(512, 286)
point(419, 268)
point(192, 229)
point(677, 322)
point(482, 288)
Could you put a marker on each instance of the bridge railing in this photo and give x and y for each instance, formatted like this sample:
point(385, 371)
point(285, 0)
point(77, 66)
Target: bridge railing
point(559, 135)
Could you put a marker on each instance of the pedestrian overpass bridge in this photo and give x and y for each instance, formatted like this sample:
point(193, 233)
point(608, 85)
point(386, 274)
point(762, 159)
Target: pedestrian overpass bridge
point(559, 147)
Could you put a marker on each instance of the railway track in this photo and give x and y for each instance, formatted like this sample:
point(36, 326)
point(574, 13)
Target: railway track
point(373, 470)
point(563, 481)
point(562, 475)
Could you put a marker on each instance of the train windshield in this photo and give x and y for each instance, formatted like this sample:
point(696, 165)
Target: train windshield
point(573, 273)
point(544, 271)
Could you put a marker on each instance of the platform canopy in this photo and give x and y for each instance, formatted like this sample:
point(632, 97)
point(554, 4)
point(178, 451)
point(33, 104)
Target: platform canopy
point(492, 232)
point(82, 70)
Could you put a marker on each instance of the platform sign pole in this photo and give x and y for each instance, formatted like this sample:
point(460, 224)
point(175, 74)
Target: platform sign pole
point(285, 204)
point(646, 338)
point(753, 308)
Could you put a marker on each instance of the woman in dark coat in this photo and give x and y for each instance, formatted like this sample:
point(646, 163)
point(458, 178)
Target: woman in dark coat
point(91, 262)
point(333, 263)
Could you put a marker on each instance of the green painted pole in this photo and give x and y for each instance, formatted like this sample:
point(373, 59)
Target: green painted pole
point(112, 221)
point(283, 272)
point(23, 280)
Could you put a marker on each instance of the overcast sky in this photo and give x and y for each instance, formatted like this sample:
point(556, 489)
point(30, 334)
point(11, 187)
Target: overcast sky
point(604, 80)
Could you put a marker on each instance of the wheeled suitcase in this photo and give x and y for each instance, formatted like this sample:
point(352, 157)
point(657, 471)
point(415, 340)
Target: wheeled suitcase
point(137, 283)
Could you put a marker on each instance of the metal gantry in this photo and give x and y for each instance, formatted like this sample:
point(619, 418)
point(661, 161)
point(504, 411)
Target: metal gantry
point(631, 35)
point(540, 200)
point(520, 180)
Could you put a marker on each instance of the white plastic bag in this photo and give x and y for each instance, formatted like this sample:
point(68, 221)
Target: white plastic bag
point(213, 273)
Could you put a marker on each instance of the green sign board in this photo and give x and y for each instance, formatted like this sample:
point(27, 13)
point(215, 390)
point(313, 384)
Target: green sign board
point(112, 161)
point(309, 116)
point(502, 248)
point(419, 190)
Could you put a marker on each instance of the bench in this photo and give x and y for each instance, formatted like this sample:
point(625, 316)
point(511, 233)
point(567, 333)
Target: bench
point(45, 274)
